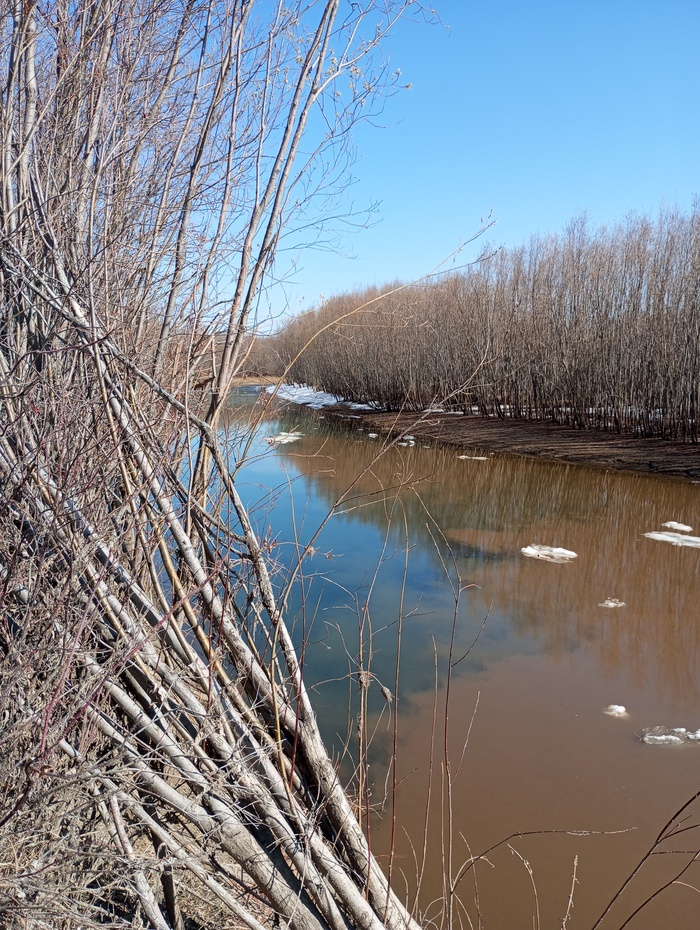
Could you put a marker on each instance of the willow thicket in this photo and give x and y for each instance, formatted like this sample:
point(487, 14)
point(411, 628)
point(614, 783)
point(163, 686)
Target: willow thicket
point(593, 328)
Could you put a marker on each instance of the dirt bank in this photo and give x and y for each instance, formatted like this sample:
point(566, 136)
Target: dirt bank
point(543, 440)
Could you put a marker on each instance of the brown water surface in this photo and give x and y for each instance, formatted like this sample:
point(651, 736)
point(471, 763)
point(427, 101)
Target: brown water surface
point(529, 749)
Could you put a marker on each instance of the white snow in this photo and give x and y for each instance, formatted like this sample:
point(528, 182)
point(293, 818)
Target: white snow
point(283, 438)
point(548, 553)
point(681, 527)
point(612, 602)
point(676, 539)
point(656, 739)
point(475, 458)
point(616, 710)
point(303, 394)
point(669, 736)
point(372, 435)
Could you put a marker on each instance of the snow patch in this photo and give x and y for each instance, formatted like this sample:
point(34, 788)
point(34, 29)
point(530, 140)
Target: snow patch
point(303, 394)
point(475, 458)
point(676, 539)
point(281, 439)
point(548, 553)
point(612, 602)
point(681, 527)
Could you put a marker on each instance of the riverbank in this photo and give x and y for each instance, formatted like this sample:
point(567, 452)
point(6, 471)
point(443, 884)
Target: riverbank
point(542, 440)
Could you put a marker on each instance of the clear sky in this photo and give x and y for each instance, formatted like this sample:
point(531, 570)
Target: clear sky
point(533, 112)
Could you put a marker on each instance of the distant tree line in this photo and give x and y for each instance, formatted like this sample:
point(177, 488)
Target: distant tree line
point(590, 328)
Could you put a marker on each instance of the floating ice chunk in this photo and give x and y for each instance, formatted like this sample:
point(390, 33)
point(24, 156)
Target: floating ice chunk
point(372, 435)
point(283, 438)
point(616, 710)
point(474, 458)
point(681, 527)
point(549, 553)
point(612, 602)
point(669, 736)
point(655, 739)
point(676, 539)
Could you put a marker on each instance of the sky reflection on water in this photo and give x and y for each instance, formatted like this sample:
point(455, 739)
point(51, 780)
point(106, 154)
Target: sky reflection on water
point(415, 524)
point(427, 518)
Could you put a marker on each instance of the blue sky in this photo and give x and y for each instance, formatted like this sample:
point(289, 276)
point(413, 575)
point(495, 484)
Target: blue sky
point(531, 112)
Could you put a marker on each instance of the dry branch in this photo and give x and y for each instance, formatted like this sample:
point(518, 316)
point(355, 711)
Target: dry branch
point(158, 743)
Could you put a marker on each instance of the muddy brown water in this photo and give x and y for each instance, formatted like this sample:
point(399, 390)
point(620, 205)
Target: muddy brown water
point(552, 801)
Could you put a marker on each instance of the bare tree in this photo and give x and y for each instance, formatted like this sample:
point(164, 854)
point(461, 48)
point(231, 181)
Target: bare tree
point(590, 329)
point(158, 744)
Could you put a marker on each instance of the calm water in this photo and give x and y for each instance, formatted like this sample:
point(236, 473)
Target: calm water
point(429, 545)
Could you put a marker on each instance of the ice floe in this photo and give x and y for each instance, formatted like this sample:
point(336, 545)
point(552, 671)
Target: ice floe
point(681, 527)
point(676, 539)
point(548, 553)
point(475, 458)
point(669, 736)
point(372, 435)
point(616, 710)
point(612, 602)
point(281, 439)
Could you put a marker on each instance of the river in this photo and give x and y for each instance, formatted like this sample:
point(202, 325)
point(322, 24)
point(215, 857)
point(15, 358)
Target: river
point(421, 551)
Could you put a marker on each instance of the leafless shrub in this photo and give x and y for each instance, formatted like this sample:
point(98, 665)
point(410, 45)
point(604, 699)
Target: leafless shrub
point(592, 329)
point(159, 748)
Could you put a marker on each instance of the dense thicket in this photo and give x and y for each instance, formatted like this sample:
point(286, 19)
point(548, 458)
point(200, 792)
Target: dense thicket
point(160, 762)
point(591, 328)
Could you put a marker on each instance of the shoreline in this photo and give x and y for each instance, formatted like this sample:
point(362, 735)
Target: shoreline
point(535, 439)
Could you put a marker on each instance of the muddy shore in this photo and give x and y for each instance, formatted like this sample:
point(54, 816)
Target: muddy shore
point(542, 440)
